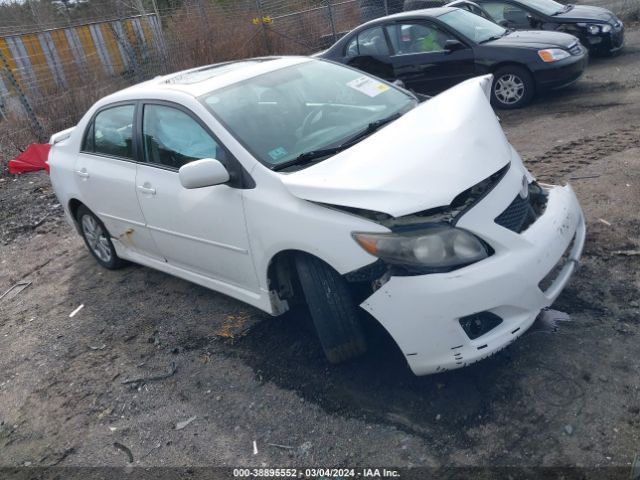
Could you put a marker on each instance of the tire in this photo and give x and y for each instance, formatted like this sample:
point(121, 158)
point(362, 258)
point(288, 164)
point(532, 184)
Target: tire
point(332, 309)
point(97, 239)
point(513, 87)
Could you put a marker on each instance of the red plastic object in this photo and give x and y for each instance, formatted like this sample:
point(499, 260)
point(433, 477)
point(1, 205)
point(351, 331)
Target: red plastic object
point(34, 158)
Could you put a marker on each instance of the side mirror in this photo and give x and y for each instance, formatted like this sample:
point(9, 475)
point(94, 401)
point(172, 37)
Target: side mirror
point(503, 23)
point(453, 45)
point(203, 173)
point(399, 83)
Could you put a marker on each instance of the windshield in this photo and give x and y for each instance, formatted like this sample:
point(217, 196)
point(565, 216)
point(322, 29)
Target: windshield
point(472, 26)
point(548, 7)
point(281, 115)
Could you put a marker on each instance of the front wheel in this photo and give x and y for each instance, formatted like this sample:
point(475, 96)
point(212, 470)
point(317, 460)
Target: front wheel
point(97, 239)
point(513, 87)
point(333, 311)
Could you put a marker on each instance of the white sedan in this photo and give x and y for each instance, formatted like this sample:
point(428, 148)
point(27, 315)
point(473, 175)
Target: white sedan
point(280, 179)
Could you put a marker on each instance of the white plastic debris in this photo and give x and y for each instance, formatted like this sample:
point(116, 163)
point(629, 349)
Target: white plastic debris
point(73, 314)
point(181, 425)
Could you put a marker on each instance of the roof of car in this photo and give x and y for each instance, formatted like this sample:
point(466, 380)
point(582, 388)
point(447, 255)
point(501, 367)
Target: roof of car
point(201, 80)
point(425, 12)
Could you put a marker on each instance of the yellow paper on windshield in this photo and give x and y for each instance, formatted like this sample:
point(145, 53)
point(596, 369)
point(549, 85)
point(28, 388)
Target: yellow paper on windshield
point(368, 86)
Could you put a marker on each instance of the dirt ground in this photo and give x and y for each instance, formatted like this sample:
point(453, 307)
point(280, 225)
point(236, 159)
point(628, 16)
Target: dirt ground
point(553, 399)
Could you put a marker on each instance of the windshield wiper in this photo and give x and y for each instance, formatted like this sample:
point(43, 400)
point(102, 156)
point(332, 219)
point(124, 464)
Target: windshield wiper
point(495, 37)
point(310, 156)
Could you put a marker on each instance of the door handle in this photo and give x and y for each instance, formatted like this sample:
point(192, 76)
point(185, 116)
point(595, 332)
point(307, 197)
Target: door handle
point(146, 190)
point(82, 173)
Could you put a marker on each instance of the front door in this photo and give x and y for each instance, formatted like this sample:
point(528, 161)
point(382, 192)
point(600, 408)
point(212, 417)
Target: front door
point(201, 230)
point(421, 60)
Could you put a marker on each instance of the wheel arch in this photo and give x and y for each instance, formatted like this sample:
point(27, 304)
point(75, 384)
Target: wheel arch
point(284, 284)
point(74, 204)
point(282, 277)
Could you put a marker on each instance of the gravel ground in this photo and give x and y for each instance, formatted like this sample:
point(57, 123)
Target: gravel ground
point(568, 398)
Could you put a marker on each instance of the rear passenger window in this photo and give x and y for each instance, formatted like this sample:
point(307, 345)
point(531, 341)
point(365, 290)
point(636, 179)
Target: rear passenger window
point(172, 138)
point(371, 42)
point(111, 132)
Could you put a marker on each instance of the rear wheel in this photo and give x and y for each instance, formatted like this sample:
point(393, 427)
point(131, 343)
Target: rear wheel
point(513, 87)
point(97, 239)
point(333, 311)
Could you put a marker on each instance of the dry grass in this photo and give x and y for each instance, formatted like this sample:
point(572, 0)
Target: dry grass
point(211, 37)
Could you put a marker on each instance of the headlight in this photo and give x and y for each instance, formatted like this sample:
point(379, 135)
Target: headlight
point(553, 54)
point(595, 28)
point(437, 246)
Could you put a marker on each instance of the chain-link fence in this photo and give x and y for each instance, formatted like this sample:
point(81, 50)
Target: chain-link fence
point(57, 57)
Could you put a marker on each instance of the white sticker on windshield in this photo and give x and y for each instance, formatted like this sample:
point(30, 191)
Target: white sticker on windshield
point(368, 86)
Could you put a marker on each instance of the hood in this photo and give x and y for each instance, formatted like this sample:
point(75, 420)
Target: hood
point(535, 39)
point(421, 161)
point(585, 13)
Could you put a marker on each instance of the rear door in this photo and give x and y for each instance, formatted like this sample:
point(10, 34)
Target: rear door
point(421, 60)
point(105, 173)
point(201, 230)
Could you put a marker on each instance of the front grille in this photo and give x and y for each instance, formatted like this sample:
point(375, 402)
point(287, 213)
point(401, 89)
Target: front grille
point(515, 216)
point(575, 49)
point(522, 212)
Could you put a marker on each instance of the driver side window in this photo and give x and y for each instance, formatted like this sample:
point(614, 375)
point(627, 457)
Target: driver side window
point(172, 138)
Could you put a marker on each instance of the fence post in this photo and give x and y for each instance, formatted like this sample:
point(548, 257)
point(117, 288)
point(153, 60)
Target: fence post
point(264, 27)
point(332, 20)
point(386, 7)
point(4, 92)
point(37, 127)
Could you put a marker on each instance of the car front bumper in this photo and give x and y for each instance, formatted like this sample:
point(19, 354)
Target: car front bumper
point(610, 42)
point(562, 73)
point(422, 313)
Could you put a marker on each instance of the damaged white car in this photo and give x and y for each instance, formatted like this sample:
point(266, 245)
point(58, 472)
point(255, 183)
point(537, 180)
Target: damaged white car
point(279, 179)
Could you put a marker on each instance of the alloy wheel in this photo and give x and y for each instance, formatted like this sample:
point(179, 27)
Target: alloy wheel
point(96, 238)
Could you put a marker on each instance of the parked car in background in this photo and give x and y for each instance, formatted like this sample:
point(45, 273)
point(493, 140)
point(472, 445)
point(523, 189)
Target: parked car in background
point(294, 179)
point(471, 7)
point(431, 50)
point(597, 28)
